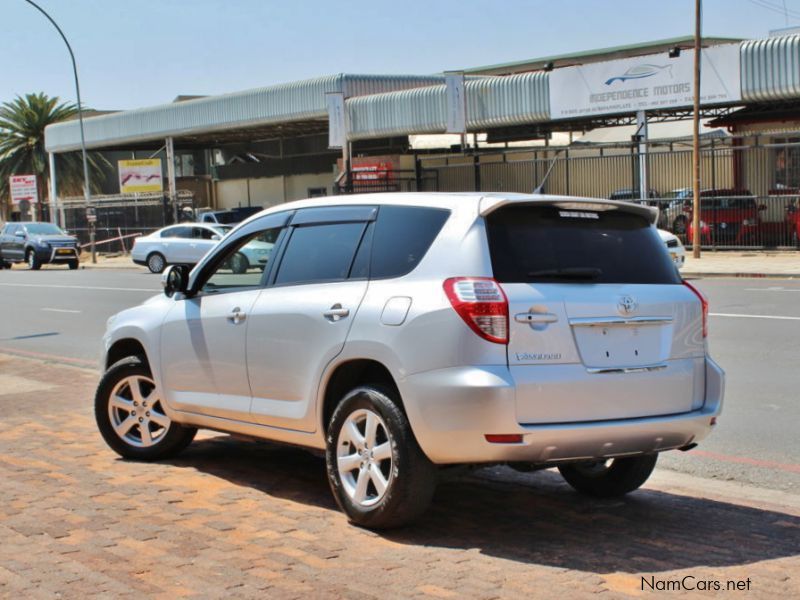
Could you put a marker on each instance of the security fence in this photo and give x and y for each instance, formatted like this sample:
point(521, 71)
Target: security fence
point(750, 186)
point(123, 215)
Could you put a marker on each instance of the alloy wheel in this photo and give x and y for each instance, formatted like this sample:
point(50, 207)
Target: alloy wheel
point(136, 413)
point(364, 457)
point(156, 263)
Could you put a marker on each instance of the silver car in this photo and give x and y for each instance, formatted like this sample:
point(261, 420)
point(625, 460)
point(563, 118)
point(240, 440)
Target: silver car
point(402, 332)
point(188, 243)
point(185, 243)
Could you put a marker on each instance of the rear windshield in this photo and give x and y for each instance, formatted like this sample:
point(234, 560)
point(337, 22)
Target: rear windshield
point(550, 244)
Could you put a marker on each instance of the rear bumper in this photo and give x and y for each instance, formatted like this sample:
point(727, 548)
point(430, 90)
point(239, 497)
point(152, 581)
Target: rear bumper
point(451, 410)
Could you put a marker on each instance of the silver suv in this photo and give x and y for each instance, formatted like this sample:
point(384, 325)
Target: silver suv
point(402, 332)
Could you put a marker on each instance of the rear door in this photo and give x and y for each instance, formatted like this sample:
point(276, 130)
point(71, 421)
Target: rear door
point(601, 326)
point(300, 322)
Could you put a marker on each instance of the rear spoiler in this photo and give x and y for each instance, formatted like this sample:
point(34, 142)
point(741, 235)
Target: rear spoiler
point(489, 204)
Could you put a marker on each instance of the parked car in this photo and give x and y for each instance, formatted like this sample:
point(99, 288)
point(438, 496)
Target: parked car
point(176, 244)
point(673, 214)
point(186, 244)
point(631, 194)
point(36, 244)
point(728, 217)
point(674, 246)
point(793, 222)
point(402, 332)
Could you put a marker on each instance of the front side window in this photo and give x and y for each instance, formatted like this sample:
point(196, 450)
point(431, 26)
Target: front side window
point(319, 253)
point(243, 264)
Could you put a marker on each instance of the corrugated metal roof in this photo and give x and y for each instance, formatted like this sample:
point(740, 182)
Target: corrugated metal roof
point(598, 54)
point(491, 102)
point(296, 101)
point(771, 68)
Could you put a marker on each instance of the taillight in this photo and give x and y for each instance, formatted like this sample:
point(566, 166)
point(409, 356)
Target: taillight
point(482, 304)
point(704, 302)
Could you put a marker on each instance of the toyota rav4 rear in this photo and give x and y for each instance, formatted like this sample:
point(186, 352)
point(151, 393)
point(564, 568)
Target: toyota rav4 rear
point(604, 347)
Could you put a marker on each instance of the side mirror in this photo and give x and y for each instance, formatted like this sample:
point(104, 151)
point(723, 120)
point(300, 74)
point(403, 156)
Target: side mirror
point(20, 234)
point(216, 237)
point(175, 280)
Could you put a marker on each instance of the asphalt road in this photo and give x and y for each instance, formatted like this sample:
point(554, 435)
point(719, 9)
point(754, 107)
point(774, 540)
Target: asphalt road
point(63, 313)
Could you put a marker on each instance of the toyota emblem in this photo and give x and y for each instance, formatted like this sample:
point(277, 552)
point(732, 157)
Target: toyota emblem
point(627, 305)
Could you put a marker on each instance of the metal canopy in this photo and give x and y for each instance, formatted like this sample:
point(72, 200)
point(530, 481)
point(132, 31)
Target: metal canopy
point(298, 105)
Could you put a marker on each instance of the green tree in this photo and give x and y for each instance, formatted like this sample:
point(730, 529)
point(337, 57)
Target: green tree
point(22, 123)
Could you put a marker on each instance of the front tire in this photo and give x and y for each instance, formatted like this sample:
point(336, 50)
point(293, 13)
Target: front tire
point(239, 263)
point(609, 478)
point(130, 414)
point(679, 226)
point(73, 264)
point(34, 264)
point(378, 474)
point(156, 262)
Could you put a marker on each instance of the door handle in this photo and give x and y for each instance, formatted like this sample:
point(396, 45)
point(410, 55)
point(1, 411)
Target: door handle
point(336, 312)
point(237, 316)
point(535, 318)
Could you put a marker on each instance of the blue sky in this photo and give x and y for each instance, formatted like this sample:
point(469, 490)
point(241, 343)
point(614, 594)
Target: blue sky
point(144, 52)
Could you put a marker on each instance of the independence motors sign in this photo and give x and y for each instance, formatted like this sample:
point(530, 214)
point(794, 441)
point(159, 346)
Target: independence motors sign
point(645, 83)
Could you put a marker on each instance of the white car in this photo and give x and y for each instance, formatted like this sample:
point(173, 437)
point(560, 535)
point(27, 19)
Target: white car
point(676, 250)
point(187, 243)
point(183, 244)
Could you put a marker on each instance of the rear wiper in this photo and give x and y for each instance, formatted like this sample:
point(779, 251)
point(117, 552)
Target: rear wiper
point(568, 273)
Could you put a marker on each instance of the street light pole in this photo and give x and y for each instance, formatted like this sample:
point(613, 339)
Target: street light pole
point(697, 235)
point(86, 192)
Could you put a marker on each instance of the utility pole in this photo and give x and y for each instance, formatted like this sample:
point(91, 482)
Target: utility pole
point(697, 236)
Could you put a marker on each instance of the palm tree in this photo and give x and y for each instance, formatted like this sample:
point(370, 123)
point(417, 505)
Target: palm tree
point(22, 123)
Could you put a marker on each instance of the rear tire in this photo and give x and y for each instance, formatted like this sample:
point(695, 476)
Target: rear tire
point(34, 264)
point(679, 226)
point(378, 474)
point(608, 479)
point(156, 262)
point(129, 413)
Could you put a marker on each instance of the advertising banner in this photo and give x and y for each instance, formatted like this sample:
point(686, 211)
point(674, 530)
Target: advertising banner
point(337, 121)
point(137, 176)
point(23, 187)
point(645, 83)
point(456, 99)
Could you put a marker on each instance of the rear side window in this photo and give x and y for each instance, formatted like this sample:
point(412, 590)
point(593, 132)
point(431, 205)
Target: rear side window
point(551, 245)
point(402, 236)
point(319, 253)
point(179, 232)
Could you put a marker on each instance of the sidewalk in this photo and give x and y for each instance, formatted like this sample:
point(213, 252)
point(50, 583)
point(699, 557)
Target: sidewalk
point(239, 519)
point(757, 263)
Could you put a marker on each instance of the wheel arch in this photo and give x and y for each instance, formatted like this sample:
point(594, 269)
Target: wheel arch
point(349, 374)
point(123, 348)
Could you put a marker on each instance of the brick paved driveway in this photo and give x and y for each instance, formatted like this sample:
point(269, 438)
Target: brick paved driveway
point(235, 518)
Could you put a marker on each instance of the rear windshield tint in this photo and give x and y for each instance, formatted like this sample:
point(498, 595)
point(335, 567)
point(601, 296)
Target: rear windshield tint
point(549, 244)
